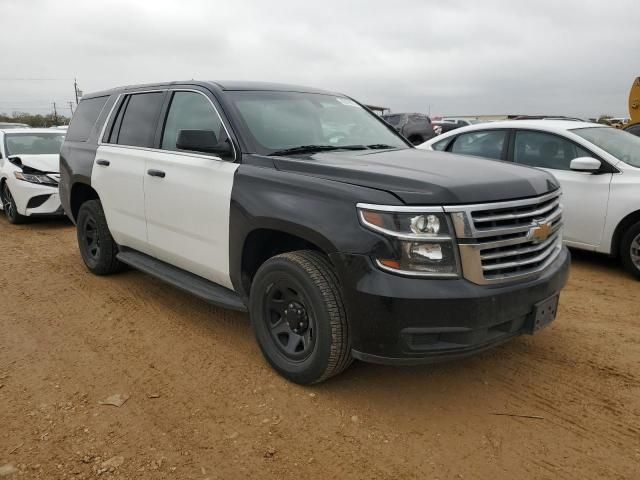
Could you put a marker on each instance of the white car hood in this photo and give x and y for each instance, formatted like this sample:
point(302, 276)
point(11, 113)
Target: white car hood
point(45, 163)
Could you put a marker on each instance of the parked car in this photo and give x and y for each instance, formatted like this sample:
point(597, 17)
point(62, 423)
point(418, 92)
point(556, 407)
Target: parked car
point(342, 242)
point(29, 173)
point(597, 166)
point(461, 122)
point(415, 127)
point(444, 127)
point(11, 125)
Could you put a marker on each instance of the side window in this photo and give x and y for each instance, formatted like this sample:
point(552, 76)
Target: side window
point(441, 145)
point(635, 130)
point(191, 111)
point(545, 150)
point(136, 121)
point(484, 143)
point(85, 118)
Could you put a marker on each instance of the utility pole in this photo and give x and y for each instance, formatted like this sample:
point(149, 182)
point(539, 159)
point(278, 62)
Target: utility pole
point(71, 107)
point(75, 88)
point(55, 113)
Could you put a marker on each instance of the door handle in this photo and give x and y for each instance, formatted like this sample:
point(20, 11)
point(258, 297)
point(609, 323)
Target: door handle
point(156, 173)
point(104, 163)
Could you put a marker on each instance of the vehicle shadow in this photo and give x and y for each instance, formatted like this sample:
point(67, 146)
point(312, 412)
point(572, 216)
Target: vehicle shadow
point(41, 223)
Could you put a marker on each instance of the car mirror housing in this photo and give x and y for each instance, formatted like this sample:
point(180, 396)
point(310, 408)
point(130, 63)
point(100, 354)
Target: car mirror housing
point(202, 141)
point(585, 164)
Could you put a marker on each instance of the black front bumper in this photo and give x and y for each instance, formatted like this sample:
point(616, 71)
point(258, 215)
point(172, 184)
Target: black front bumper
point(401, 320)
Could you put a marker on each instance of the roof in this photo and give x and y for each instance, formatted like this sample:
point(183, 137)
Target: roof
point(549, 125)
point(223, 85)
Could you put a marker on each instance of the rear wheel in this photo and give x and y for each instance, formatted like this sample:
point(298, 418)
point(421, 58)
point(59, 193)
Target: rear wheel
point(298, 317)
point(96, 245)
point(630, 250)
point(9, 206)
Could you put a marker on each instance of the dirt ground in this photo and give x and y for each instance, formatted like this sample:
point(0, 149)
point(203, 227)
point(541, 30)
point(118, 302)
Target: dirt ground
point(204, 404)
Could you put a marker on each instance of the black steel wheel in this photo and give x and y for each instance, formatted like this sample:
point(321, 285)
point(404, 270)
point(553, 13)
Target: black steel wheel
point(298, 317)
point(96, 245)
point(9, 206)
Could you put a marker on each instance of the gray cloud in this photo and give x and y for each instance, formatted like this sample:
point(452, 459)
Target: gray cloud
point(455, 57)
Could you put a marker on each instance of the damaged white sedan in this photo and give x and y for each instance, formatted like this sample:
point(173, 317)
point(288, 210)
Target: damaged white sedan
point(29, 173)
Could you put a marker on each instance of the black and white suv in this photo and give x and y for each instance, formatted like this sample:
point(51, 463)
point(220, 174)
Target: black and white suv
point(306, 209)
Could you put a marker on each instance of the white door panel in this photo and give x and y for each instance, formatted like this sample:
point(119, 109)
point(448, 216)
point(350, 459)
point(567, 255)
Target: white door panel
point(121, 190)
point(584, 197)
point(187, 212)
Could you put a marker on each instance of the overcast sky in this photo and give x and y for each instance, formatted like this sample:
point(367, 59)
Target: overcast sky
point(447, 56)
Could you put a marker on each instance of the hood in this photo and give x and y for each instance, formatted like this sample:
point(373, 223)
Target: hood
point(422, 177)
point(49, 163)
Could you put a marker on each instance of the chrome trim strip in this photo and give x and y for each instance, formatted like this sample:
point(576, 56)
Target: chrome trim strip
point(517, 263)
point(514, 216)
point(505, 204)
point(179, 152)
point(518, 251)
point(400, 208)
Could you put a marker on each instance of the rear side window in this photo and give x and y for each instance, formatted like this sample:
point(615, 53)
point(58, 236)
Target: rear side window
point(85, 118)
point(485, 143)
point(136, 121)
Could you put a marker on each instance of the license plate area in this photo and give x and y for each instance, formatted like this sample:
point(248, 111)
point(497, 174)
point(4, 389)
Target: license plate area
point(544, 313)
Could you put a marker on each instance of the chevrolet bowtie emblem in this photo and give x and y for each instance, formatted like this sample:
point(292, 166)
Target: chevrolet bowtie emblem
point(540, 232)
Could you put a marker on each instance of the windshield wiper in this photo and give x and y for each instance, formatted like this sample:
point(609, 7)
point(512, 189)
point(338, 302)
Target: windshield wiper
point(380, 146)
point(316, 148)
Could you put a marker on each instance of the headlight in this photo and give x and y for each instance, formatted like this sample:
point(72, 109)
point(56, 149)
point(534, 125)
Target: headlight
point(423, 239)
point(40, 178)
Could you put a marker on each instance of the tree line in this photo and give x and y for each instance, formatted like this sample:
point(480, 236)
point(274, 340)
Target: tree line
point(35, 121)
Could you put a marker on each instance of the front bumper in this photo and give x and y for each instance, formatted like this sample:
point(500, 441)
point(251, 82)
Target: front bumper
point(401, 320)
point(35, 200)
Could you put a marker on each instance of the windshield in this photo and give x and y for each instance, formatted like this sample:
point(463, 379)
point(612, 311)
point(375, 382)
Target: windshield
point(283, 120)
point(622, 145)
point(33, 143)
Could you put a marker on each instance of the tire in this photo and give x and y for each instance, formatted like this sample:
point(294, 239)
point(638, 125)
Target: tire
point(96, 244)
point(9, 206)
point(284, 286)
point(630, 250)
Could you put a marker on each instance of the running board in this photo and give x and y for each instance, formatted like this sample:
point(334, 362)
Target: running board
point(198, 286)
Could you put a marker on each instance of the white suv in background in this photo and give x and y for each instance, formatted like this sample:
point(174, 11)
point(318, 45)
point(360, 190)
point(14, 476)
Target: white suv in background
point(29, 172)
point(597, 166)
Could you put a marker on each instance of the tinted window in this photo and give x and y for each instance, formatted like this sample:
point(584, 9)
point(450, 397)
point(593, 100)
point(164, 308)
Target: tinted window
point(138, 123)
point(635, 130)
point(394, 120)
point(190, 111)
point(441, 145)
point(538, 149)
point(486, 143)
point(85, 118)
point(616, 142)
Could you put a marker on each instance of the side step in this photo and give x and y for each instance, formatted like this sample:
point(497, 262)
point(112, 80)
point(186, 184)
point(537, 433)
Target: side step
point(198, 286)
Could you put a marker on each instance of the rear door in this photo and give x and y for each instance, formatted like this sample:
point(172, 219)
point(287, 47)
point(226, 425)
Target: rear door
point(119, 167)
point(585, 195)
point(188, 193)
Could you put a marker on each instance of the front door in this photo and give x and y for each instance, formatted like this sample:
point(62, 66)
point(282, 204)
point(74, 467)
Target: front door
point(188, 194)
point(585, 196)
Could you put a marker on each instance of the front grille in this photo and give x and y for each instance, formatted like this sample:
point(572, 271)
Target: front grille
point(505, 241)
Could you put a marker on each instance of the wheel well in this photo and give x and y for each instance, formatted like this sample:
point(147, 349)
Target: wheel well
point(620, 229)
point(262, 244)
point(80, 193)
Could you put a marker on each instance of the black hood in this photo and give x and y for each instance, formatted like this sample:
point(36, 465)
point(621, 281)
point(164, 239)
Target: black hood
point(423, 177)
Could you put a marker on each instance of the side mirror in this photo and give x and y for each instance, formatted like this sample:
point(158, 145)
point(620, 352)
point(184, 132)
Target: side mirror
point(585, 164)
point(202, 141)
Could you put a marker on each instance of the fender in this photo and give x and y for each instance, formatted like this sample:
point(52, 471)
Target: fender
point(299, 205)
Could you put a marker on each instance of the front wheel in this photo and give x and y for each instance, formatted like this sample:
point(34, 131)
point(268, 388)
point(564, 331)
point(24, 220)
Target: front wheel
point(10, 207)
point(97, 247)
point(298, 317)
point(630, 250)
